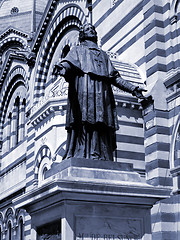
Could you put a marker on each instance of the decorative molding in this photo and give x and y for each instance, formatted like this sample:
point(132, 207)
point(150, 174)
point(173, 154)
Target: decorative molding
point(14, 10)
point(10, 30)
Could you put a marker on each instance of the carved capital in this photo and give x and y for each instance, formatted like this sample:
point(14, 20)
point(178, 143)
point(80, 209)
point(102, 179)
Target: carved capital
point(29, 56)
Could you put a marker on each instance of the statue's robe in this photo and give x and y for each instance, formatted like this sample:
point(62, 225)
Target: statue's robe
point(91, 119)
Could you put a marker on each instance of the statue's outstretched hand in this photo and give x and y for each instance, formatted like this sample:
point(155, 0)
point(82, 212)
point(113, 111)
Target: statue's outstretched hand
point(138, 92)
point(58, 70)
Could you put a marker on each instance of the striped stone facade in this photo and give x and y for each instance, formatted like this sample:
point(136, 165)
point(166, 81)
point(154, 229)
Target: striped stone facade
point(142, 40)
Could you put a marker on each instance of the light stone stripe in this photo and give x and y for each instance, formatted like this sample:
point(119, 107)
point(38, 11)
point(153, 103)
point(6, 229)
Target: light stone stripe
point(157, 155)
point(158, 172)
point(155, 30)
point(155, 45)
point(134, 52)
point(163, 208)
point(27, 217)
point(156, 60)
point(128, 130)
point(130, 147)
point(27, 227)
point(164, 226)
point(100, 10)
point(162, 138)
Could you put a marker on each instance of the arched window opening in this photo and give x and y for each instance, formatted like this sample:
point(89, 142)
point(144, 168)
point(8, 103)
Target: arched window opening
point(21, 229)
point(9, 131)
point(65, 51)
point(0, 233)
point(44, 173)
point(9, 231)
point(177, 6)
point(17, 112)
point(14, 119)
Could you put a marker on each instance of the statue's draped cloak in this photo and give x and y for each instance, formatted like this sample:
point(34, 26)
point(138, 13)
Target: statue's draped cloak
point(91, 119)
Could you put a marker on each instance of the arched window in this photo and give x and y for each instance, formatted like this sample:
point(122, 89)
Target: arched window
point(21, 229)
point(45, 169)
point(14, 119)
point(17, 112)
point(9, 231)
point(0, 233)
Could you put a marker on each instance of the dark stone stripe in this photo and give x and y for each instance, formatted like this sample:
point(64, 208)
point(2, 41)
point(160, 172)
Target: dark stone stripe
point(153, 24)
point(157, 146)
point(154, 38)
point(28, 184)
point(30, 155)
point(31, 128)
point(30, 146)
point(155, 53)
point(129, 139)
point(163, 217)
point(156, 9)
point(95, 3)
point(130, 124)
point(165, 235)
point(163, 181)
point(27, 232)
point(174, 111)
point(123, 22)
point(141, 61)
point(157, 67)
point(29, 165)
point(28, 222)
point(156, 113)
point(31, 137)
point(29, 174)
point(157, 163)
point(130, 155)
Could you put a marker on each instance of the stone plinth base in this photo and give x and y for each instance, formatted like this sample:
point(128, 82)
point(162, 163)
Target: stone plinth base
point(91, 200)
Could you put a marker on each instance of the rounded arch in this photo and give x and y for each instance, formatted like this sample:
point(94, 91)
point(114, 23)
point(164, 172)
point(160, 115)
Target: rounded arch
point(12, 41)
point(20, 213)
point(15, 78)
point(9, 216)
point(174, 9)
point(43, 152)
point(1, 222)
point(70, 16)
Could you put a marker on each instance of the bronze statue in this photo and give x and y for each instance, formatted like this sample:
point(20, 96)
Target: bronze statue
point(91, 119)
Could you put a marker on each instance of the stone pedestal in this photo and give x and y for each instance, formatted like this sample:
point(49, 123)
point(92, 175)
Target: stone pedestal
point(92, 200)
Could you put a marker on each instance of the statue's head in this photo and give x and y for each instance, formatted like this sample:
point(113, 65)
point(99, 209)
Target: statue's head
point(87, 32)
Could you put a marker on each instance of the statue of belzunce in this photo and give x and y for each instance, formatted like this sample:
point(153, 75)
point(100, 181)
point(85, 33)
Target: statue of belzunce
point(91, 120)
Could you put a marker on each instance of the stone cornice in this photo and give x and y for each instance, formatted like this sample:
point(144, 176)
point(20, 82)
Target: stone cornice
point(42, 110)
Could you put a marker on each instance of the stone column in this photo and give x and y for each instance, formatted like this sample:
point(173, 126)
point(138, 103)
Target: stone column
point(13, 127)
point(8, 131)
point(21, 119)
